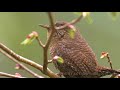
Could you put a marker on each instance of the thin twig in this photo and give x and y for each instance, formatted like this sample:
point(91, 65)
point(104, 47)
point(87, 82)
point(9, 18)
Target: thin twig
point(76, 20)
point(108, 57)
point(45, 49)
point(27, 61)
point(40, 43)
point(53, 29)
point(10, 75)
point(44, 26)
point(21, 65)
point(62, 27)
point(113, 75)
point(70, 23)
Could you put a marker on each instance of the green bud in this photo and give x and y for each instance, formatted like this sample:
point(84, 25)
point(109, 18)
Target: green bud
point(71, 31)
point(58, 59)
point(30, 38)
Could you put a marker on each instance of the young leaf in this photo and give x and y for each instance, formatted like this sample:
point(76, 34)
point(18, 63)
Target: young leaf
point(72, 31)
point(85, 15)
point(89, 19)
point(58, 59)
point(29, 39)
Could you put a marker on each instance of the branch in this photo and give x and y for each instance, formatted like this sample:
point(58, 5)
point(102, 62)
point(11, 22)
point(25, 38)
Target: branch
point(27, 61)
point(40, 43)
point(21, 65)
point(9, 75)
point(52, 27)
point(62, 27)
point(70, 23)
point(45, 48)
point(109, 61)
point(45, 64)
point(16, 58)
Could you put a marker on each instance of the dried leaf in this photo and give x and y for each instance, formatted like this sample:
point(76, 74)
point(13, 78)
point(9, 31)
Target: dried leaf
point(104, 54)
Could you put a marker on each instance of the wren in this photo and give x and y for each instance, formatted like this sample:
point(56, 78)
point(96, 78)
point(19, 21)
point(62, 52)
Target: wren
point(79, 59)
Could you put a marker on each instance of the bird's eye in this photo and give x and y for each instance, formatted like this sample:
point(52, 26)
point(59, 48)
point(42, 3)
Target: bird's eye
point(58, 24)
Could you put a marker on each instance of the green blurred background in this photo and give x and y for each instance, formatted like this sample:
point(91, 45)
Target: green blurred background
point(102, 35)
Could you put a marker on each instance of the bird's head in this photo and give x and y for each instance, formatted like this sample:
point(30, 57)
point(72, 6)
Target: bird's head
point(60, 34)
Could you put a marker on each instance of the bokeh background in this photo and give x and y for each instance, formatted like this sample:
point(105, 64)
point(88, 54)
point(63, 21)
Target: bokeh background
point(102, 35)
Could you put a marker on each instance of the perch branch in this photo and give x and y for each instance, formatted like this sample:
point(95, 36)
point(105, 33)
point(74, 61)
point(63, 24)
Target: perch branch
point(9, 75)
point(45, 49)
point(21, 65)
point(27, 61)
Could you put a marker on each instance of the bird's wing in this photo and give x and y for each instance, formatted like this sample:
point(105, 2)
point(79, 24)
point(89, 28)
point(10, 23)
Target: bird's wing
point(79, 60)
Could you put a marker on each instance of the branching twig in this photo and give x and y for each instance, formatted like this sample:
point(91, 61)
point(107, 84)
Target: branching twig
point(40, 43)
point(108, 57)
point(106, 54)
point(53, 28)
point(70, 23)
point(62, 27)
point(45, 64)
point(27, 61)
point(16, 58)
point(44, 26)
point(10, 75)
point(21, 65)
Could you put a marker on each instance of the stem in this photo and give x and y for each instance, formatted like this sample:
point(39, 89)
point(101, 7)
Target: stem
point(23, 66)
point(45, 64)
point(40, 43)
point(27, 61)
point(108, 57)
point(70, 23)
point(9, 75)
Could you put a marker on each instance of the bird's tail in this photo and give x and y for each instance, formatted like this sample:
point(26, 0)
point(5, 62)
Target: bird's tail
point(103, 71)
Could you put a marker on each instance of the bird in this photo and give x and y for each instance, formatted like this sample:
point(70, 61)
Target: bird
point(79, 59)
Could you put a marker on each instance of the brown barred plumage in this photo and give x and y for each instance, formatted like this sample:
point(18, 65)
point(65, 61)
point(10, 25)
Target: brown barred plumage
point(79, 59)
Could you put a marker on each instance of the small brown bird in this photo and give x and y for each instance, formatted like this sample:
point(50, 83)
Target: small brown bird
point(79, 59)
